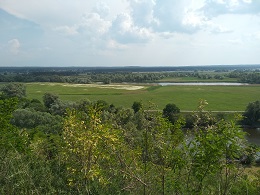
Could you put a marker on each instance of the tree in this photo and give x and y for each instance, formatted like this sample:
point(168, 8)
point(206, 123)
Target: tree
point(252, 113)
point(11, 90)
point(137, 106)
point(36, 105)
point(170, 111)
point(103, 105)
point(49, 99)
point(160, 150)
point(89, 151)
point(10, 136)
point(30, 119)
point(212, 152)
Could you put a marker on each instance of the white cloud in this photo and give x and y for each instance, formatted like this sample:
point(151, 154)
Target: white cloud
point(235, 41)
point(66, 30)
point(112, 44)
point(217, 28)
point(14, 46)
point(194, 21)
point(93, 24)
point(53, 13)
point(213, 8)
point(253, 37)
point(256, 35)
point(102, 9)
point(166, 35)
point(165, 16)
point(48, 12)
point(143, 12)
point(91, 31)
point(169, 15)
point(125, 31)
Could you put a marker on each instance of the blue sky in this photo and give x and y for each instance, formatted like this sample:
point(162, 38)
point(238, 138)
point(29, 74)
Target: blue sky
point(129, 32)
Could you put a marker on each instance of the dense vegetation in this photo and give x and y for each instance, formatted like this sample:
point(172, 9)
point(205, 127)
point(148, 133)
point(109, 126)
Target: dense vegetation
point(92, 147)
point(245, 74)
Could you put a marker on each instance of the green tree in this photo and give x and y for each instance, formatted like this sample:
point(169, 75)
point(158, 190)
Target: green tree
point(30, 119)
point(34, 104)
point(49, 99)
point(213, 152)
point(11, 90)
point(89, 151)
point(159, 147)
point(252, 113)
point(10, 137)
point(59, 107)
point(170, 112)
point(137, 106)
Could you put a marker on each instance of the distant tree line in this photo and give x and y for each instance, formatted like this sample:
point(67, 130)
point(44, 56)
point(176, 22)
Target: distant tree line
point(91, 77)
point(161, 68)
point(246, 77)
point(84, 77)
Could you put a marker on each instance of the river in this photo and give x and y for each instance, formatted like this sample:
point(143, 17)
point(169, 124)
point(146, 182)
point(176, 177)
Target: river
point(253, 135)
point(202, 83)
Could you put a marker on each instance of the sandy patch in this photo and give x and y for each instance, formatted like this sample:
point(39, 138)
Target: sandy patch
point(126, 87)
point(112, 86)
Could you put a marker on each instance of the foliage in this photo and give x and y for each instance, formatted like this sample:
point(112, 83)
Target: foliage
point(11, 90)
point(252, 113)
point(49, 99)
point(215, 148)
point(137, 106)
point(170, 111)
point(89, 150)
point(11, 138)
point(103, 149)
point(80, 75)
point(251, 77)
point(33, 104)
point(36, 171)
point(160, 142)
point(29, 119)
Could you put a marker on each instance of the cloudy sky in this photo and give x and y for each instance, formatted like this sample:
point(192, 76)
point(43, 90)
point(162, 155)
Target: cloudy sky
point(129, 32)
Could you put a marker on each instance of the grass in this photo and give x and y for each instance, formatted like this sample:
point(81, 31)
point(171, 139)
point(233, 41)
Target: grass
point(220, 98)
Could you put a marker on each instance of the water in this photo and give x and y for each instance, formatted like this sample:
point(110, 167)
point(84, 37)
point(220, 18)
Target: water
point(253, 135)
point(211, 84)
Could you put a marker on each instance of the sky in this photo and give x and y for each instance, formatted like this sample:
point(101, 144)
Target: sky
point(129, 32)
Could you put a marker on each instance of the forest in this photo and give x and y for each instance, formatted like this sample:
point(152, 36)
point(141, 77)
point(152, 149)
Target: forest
point(244, 74)
point(92, 147)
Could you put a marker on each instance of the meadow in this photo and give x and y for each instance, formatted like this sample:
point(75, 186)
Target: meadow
point(219, 98)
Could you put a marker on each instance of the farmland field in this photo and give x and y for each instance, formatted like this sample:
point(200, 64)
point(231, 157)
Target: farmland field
point(220, 98)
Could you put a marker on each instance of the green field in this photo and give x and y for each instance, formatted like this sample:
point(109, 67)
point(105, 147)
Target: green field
point(220, 98)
